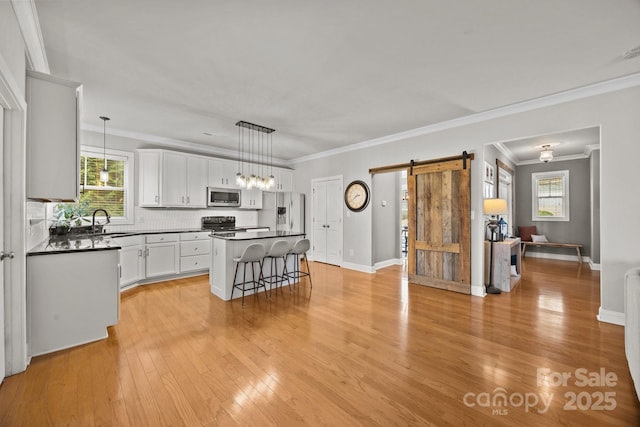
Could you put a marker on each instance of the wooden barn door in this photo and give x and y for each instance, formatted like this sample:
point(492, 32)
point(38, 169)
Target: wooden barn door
point(439, 225)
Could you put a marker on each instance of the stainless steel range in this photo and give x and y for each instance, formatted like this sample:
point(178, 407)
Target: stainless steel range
point(220, 224)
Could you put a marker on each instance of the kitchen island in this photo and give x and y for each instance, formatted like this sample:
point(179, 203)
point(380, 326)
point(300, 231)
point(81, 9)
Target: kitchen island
point(227, 246)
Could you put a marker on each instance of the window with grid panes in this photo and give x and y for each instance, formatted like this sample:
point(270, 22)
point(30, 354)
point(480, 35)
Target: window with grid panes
point(550, 191)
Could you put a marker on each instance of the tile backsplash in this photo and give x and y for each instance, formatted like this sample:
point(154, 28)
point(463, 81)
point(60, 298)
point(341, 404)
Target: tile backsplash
point(169, 219)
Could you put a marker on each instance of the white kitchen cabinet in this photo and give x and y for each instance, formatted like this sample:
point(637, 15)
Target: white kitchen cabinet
point(172, 179)
point(162, 255)
point(131, 259)
point(251, 199)
point(197, 180)
point(222, 173)
point(284, 180)
point(194, 251)
point(71, 299)
point(149, 178)
point(53, 137)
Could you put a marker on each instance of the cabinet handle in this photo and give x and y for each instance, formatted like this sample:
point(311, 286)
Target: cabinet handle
point(139, 252)
point(187, 199)
point(156, 198)
point(147, 252)
point(195, 249)
point(119, 271)
point(182, 199)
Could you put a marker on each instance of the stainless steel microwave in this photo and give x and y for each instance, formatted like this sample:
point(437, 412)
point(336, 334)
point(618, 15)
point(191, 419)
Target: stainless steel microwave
point(223, 197)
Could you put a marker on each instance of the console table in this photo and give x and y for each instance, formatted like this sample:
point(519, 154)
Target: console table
point(502, 252)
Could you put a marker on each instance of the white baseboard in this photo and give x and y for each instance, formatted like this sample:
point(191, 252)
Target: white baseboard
point(478, 291)
point(358, 267)
point(593, 265)
point(609, 316)
point(559, 257)
point(387, 263)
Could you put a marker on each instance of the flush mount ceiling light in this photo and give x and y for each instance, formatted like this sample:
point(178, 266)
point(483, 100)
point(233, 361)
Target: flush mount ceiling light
point(255, 143)
point(104, 173)
point(546, 155)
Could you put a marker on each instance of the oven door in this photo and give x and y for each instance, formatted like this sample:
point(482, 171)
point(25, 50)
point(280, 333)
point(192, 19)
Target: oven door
point(223, 197)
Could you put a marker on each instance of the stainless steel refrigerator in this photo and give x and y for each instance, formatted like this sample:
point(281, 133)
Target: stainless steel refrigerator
point(282, 211)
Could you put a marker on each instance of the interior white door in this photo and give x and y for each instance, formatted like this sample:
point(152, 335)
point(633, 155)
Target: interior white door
point(334, 222)
point(320, 221)
point(2, 280)
point(327, 221)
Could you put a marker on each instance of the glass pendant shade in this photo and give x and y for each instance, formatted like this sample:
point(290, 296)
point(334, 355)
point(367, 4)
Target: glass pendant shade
point(104, 175)
point(546, 154)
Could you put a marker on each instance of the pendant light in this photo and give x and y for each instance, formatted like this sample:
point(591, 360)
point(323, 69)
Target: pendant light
point(104, 173)
point(257, 146)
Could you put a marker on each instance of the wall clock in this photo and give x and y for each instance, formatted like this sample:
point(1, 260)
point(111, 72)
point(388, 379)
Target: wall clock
point(357, 196)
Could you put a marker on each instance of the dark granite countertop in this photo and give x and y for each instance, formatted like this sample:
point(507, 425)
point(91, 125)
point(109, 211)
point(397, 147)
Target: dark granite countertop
point(254, 235)
point(70, 244)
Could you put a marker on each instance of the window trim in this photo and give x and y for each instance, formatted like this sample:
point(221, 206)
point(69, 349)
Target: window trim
point(564, 174)
point(128, 157)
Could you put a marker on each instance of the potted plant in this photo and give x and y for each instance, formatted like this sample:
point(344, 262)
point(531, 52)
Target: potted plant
point(69, 215)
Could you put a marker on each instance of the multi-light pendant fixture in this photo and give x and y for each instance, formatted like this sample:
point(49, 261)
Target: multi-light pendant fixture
point(255, 153)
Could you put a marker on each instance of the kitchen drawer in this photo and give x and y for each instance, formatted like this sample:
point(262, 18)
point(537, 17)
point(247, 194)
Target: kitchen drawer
point(193, 263)
point(204, 235)
point(125, 241)
point(162, 238)
point(195, 247)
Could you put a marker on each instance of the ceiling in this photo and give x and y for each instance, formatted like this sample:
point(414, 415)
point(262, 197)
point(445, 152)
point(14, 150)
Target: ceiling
point(574, 144)
point(325, 74)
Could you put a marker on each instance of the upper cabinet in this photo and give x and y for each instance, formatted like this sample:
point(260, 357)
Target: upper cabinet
point(284, 180)
point(222, 173)
point(171, 179)
point(53, 137)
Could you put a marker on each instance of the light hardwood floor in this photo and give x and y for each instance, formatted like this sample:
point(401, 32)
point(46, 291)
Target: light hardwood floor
point(358, 349)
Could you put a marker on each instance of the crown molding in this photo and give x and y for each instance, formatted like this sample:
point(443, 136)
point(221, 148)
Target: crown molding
point(599, 88)
point(27, 17)
point(504, 150)
point(591, 148)
point(555, 159)
point(170, 142)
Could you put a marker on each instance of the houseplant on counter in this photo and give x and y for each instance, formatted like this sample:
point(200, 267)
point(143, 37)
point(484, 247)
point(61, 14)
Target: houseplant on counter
point(70, 215)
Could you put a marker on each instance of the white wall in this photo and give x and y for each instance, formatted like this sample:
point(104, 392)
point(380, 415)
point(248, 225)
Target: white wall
point(615, 112)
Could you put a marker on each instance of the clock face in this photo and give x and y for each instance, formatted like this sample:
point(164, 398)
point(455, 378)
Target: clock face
point(356, 196)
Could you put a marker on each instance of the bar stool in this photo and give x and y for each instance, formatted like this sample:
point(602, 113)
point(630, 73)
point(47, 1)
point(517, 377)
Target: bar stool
point(252, 254)
point(279, 249)
point(300, 248)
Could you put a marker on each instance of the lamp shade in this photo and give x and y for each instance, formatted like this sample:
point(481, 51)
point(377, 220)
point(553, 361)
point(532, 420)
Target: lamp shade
point(495, 206)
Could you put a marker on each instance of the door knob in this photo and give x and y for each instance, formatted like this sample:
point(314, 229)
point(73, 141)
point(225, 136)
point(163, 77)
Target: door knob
point(4, 255)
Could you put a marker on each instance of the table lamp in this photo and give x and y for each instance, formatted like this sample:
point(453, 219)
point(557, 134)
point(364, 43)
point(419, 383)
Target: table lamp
point(493, 207)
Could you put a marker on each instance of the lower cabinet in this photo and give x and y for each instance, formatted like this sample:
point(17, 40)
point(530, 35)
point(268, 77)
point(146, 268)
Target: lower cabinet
point(162, 256)
point(194, 251)
point(131, 259)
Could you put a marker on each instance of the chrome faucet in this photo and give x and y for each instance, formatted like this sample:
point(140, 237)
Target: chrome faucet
point(93, 220)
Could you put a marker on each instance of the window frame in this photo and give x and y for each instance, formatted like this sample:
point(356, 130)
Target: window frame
point(564, 174)
point(128, 157)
